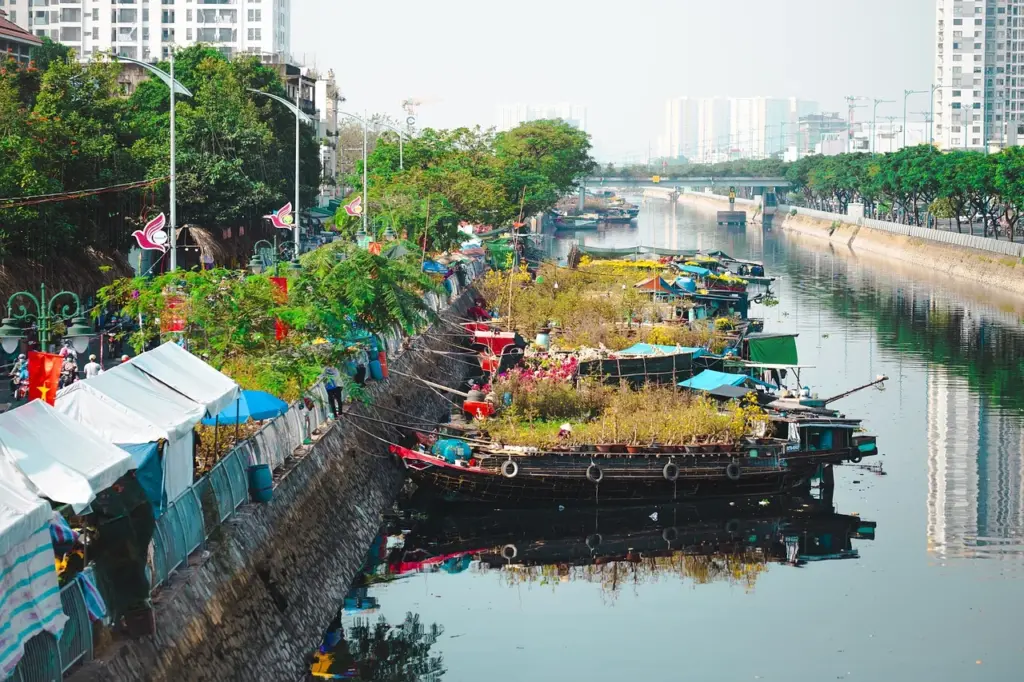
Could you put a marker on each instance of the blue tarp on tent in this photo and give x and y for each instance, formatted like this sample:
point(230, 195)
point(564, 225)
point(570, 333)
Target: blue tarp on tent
point(149, 473)
point(686, 284)
point(431, 266)
point(709, 380)
point(258, 405)
point(651, 349)
point(694, 270)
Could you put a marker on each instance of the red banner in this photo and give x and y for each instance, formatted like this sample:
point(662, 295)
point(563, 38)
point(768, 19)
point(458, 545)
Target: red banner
point(280, 328)
point(43, 376)
point(173, 319)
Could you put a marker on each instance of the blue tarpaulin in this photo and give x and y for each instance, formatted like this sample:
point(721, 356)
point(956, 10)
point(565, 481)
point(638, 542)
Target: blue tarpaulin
point(686, 284)
point(652, 349)
point(258, 405)
point(694, 270)
point(149, 473)
point(431, 266)
point(709, 380)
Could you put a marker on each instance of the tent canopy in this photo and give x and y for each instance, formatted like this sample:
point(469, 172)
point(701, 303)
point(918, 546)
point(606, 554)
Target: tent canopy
point(126, 406)
point(258, 405)
point(64, 460)
point(694, 270)
point(654, 349)
point(773, 349)
point(174, 366)
point(709, 379)
point(656, 284)
point(22, 512)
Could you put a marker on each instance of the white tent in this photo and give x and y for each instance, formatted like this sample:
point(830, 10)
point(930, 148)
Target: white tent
point(62, 459)
point(128, 407)
point(173, 365)
point(22, 512)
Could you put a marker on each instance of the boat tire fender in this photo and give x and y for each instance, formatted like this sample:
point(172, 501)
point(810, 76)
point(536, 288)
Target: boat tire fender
point(670, 472)
point(670, 535)
point(594, 473)
point(594, 541)
point(509, 552)
point(509, 469)
point(857, 459)
point(732, 471)
point(732, 526)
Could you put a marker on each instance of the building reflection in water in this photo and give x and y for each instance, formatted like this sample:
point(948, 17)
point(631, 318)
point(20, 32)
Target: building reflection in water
point(975, 472)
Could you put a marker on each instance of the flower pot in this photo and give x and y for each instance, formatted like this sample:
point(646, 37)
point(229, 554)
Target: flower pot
point(634, 449)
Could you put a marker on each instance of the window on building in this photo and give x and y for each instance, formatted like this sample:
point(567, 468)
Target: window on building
point(975, 141)
point(976, 105)
point(977, 46)
point(954, 129)
point(955, 105)
point(976, 129)
point(958, 22)
point(255, 15)
point(188, 15)
point(255, 34)
point(956, 93)
point(95, 13)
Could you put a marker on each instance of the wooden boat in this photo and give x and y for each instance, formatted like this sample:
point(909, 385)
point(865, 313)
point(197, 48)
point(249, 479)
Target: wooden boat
point(522, 475)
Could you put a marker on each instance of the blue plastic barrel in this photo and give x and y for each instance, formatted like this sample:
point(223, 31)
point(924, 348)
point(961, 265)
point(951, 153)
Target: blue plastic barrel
point(544, 340)
point(452, 449)
point(376, 371)
point(261, 483)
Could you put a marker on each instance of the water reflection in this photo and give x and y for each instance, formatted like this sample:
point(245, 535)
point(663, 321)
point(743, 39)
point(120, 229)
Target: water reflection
point(959, 347)
point(357, 647)
point(703, 542)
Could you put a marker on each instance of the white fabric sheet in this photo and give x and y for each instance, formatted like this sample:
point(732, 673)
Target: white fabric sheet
point(176, 367)
point(29, 597)
point(22, 512)
point(177, 465)
point(63, 459)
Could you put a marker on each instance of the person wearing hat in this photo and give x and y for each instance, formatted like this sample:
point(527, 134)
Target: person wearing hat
point(124, 359)
point(19, 364)
point(92, 368)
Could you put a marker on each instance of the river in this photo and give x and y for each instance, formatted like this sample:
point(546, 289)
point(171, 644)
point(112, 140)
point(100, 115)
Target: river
point(936, 594)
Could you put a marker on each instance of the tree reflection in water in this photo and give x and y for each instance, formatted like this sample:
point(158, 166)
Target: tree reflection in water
point(380, 652)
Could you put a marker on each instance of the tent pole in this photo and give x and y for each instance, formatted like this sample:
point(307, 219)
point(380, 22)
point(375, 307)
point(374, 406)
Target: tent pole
point(238, 411)
point(216, 429)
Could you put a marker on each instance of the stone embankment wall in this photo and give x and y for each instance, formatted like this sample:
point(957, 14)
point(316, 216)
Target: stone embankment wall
point(1001, 271)
point(254, 605)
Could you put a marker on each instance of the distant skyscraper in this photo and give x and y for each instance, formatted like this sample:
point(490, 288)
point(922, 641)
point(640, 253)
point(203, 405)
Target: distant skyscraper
point(147, 29)
point(979, 57)
point(712, 129)
point(679, 139)
point(510, 116)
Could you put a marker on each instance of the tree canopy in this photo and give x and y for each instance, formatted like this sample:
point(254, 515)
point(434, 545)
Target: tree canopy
point(469, 175)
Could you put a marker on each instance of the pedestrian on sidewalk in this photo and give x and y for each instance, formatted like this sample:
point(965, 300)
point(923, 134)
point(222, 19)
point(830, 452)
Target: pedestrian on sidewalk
point(332, 382)
point(92, 368)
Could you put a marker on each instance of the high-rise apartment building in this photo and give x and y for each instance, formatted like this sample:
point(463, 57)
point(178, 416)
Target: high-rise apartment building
point(679, 139)
point(713, 129)
point(510, 116)
point(979, 72)
point(146, 29)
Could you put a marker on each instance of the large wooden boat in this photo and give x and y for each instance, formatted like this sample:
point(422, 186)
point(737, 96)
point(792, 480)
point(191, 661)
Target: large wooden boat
point(617, 473)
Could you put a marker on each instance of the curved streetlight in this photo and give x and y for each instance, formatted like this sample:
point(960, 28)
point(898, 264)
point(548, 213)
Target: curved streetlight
point(366, 206)
point(176, 88)
point(300, 117)
point(906, 94)
point(45, 311)
point(266, 255)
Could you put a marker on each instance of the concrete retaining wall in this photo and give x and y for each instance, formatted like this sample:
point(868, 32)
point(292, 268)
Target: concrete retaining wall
point(255, 604)
point(990, 262)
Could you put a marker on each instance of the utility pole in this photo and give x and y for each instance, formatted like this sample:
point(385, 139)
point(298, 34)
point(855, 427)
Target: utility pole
point(852, 106)
point(926, 118)
point(874, 121)
point(892, 130)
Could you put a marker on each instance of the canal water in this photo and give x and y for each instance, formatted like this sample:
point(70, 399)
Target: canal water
point(934, 592)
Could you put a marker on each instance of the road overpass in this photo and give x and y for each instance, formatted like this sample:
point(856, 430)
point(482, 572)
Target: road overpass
point(683, 181)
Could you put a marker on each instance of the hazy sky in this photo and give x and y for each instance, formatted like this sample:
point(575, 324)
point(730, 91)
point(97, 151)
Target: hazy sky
point(621, 60)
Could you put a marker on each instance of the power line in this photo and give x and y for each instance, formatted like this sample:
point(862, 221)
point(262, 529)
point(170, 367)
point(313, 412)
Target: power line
point(17, 202)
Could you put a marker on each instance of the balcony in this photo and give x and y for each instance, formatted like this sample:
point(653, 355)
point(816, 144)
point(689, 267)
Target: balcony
point(70, 34)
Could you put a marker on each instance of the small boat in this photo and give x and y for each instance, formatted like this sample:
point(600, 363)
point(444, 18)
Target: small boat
point(575, 224)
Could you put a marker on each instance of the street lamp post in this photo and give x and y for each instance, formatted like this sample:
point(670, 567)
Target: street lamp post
point(931, 114)
point(175, 88)
point(366, 206)
point(266, 255)
point(45, 312)
point(874, 121)
point(300, 117)
point(906, 94)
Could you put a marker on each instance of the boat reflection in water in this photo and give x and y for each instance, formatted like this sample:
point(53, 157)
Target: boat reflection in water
point(705, 541)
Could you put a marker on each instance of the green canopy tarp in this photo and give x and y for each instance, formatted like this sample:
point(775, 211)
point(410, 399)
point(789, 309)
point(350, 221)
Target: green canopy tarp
point(774, 350)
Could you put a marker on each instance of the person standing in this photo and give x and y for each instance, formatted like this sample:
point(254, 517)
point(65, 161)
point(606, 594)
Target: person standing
point(92, 368)
point(332, 382)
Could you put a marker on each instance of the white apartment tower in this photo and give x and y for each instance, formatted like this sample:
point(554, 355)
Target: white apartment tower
point(146, 29)
point(681, 128)
point(979, 72)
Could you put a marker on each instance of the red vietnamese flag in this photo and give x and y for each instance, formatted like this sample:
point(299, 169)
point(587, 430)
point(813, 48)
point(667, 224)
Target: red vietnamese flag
point(280, 329)
point(43, 376)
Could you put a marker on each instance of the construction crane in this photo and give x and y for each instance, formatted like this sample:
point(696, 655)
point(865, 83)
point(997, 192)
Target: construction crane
point(852, 106)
